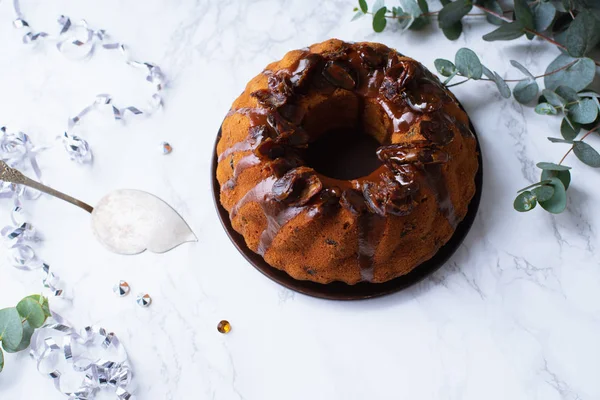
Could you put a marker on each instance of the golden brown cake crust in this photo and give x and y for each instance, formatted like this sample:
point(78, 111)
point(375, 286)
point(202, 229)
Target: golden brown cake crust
point(321, 229)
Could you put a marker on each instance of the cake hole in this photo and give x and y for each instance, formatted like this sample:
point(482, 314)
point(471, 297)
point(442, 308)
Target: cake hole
point(344, 154)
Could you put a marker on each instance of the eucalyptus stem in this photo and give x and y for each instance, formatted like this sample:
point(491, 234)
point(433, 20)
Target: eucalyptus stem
point(524, 79)
point(459, 83)
point(434, 13)
point(491, 12)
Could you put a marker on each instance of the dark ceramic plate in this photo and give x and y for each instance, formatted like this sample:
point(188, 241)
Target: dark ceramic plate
point(339, 290)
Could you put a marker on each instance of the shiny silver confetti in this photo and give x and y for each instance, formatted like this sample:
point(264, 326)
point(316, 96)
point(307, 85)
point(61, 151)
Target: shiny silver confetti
point(166, 148)
point(81, 364)
point(121, 289)
point(17, 151)
point(77, 148)
point(78, 41)
point(144, 300)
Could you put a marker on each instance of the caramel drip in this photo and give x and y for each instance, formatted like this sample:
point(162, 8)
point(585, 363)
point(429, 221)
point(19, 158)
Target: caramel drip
point(435, 180)
point(370, 230)
point(244, 145)
point(242, 164)
point(278, 214)
point(257, 194)
point(257, 115)
point(401, 118)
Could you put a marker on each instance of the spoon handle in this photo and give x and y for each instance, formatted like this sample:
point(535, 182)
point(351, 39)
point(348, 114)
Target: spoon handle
point(8, 174)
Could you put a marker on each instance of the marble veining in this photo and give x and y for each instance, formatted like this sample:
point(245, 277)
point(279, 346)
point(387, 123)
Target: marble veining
point(515, 314)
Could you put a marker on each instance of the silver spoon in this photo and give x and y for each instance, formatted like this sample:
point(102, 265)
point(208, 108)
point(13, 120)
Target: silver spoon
point(125, 221)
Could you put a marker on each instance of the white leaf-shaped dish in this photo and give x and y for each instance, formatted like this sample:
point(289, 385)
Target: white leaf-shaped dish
point(131, 221)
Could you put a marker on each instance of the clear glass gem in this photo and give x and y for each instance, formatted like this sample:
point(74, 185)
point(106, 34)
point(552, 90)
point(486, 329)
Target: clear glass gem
point(144, 299)
point(121, 289)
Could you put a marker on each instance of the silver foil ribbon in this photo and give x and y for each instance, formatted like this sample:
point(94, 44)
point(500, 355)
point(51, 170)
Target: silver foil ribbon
point(79, 41)
point(18, 152)
point(81, 363)
point(19, 240)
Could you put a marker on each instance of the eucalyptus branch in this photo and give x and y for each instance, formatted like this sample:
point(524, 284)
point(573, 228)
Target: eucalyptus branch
point(17, 324)
point(594, 129)
point(566, 82)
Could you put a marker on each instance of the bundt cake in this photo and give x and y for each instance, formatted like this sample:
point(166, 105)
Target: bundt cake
point(321, 228)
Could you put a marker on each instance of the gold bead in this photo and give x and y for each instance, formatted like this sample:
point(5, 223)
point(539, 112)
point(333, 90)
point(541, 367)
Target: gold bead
point(224, 327)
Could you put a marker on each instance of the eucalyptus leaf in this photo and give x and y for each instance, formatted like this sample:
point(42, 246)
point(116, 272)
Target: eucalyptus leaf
point(407, 21)
point(589, 94)
point(564, 176)
point(526, 91)
point(379, 20)
point(379, 4)
point(583, 34)
point(543, 193)
point(495, 7)
point(543, 16)
point(525, 202)
point(444, 67)
point(453, 13)
point(567, 93)
point(453, 32)
point(553, 98)
point(11, 328)
point(584, 111)
point(577, 77)
point(552, 167)
point(411, 7)
point(359, 14)
point(521, 68)
point(500, 83)
point(364, 7)
point(569, 130)
point(422, 20)
point(506, 32)
point(1, 360)
point(25, 340)
point(468, 63)
point(534, 185)
point(545, 109)
point(558, 202)
point(556, 140)
point(419, 23)
point(586, 153)
point(558, 4)
point(31, 311)
point(43, 302)
point(523, 14)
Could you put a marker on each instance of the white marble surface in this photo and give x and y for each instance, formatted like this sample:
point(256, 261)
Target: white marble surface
point(514, 315)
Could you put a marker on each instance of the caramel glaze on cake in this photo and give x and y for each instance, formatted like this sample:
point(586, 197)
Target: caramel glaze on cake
point(373, 228)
